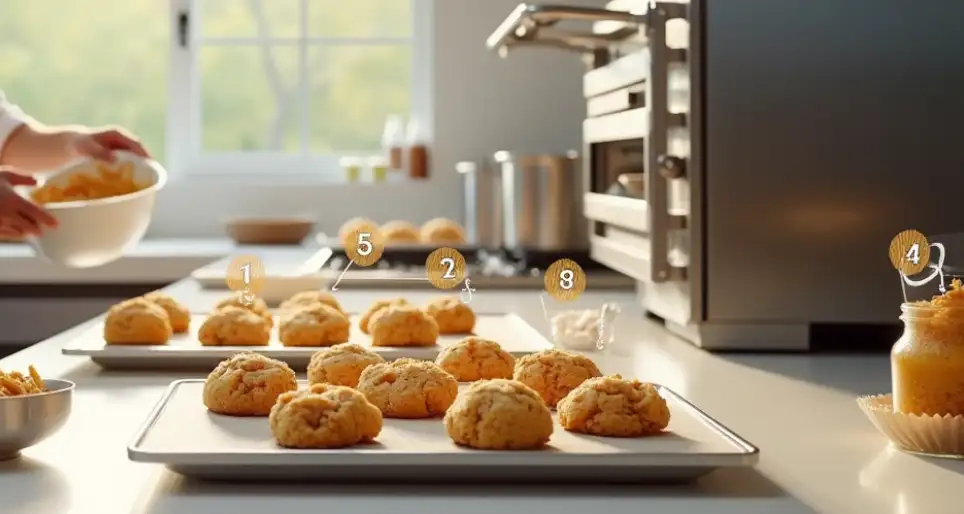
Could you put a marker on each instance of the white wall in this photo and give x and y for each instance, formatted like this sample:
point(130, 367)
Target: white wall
point(530, 102)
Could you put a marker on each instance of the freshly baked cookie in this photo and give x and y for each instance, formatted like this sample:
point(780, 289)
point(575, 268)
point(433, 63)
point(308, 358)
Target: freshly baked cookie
point(553, 373)
point(614, 407)
point(306, 298)
point(350, 226)
point(377, 306)
point(179, 315)
point(442, 231)
point(399, 232)
point(408, 388)
point(403, 325)
point(247, 384)
point(474, 358)
point(258, 306)
point(341, 364)
point(499, 415)
point(324, 416)
point(234, 326)
point(137, 321)
point(314, 325)
point(452, 316)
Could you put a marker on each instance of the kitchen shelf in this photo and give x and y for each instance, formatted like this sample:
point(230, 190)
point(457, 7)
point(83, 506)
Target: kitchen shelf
point(622, 126)
point(628, 213)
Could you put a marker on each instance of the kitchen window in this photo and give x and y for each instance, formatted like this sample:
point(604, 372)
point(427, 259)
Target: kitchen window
point(287, 87)
point(257, 88)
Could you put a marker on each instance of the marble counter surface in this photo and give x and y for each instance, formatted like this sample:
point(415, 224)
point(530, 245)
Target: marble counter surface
point(818, 452)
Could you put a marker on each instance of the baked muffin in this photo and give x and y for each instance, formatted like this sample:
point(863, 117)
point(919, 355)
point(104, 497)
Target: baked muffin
point(306, 298)
point(499, 415)
point(247, 384)
point(442, 231)
point(452, 316)
point(350, 226)
point(377, 306)
point(403, 325)
point(179, 315)
point(341, 364)
point(315, 325)
point(324, 416)
point(474, 358)
point(399, 232)
point(408, 388)
point(614, 407)
point(258, 306)
point(554, 373)
point(137, 321)
point(234, 326)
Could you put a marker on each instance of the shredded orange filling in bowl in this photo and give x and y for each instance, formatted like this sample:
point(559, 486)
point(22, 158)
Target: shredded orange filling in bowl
point(105, 181)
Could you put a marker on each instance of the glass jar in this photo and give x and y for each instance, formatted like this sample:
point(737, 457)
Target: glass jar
point(927, 362)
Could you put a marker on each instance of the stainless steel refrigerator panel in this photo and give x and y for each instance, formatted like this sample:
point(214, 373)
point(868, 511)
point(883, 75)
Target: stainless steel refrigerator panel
point(830, 127)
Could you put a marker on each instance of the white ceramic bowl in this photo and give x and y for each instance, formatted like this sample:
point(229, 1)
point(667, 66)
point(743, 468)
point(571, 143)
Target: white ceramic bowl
point(27, 420)
point(95, 232)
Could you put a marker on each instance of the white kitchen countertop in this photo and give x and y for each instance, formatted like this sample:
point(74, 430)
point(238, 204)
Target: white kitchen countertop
point(818, 452)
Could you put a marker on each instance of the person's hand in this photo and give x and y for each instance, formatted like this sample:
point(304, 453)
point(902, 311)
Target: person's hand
point(20, 217)
point(101, 144)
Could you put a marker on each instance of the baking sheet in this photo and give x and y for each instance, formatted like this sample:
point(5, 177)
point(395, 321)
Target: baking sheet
point(184, 352)
point(183, 435)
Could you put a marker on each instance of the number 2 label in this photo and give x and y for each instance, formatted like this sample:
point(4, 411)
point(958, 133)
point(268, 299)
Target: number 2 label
point(449, 264)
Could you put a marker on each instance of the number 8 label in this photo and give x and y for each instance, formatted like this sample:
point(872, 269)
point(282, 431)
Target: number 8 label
point(564, 280)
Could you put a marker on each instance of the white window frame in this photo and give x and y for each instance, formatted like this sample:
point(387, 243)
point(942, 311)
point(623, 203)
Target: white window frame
point(185, 158)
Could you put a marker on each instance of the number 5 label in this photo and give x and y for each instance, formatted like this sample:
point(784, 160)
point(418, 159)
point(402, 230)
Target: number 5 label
point(364, 245)
point(565, 280)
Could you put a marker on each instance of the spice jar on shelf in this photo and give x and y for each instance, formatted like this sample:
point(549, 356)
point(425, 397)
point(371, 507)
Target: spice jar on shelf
point(393, 141)
point(417, 150)
point(378, 165)
point(352, 168)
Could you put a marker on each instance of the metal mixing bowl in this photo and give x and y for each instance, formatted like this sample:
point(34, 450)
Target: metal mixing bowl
point(27, 420)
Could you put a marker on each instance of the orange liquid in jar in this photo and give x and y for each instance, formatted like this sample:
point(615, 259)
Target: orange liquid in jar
point(927, 363)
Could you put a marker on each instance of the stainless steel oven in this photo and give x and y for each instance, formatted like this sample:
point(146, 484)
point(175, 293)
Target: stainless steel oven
point(782, 145)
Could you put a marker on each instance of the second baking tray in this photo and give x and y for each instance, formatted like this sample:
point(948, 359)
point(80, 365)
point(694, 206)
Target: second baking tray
point(184, 352)
point(184, 436)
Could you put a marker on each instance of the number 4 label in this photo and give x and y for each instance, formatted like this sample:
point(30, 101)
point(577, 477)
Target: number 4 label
point(913, 255)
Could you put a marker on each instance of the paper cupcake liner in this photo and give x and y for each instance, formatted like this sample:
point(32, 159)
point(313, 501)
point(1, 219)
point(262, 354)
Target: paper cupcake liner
point(934, 436)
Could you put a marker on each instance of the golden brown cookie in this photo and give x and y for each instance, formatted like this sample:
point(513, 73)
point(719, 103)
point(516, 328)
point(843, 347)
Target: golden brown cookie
point(408, 388)
point(403, 325)
point(313, 325)
point(377, 306)
point(553, 373)
point(179, 315)
point(137, 321)
point(247, 384)
point(306, 298)
point(474, 358)
point(234, 326)
point(350, 226)
point(258, 306)
point(442, 231)
point(499, 415)
point(341, 364)
point(611, 406)
point(399, 232)
point(452, 316)
point(324, 416)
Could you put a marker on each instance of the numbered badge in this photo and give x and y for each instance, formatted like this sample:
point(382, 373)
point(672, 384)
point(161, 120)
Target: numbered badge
point(445, 268)
point(565, 281)
point(910, 252)
point(364, 245)
point(246, 277)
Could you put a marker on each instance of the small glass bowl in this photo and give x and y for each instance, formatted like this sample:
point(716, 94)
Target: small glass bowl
point(599, 337)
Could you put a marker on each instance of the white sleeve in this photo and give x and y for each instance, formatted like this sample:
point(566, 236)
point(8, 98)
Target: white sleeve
point(11, 117)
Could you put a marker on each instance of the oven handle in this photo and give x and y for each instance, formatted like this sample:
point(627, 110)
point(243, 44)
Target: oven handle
point(532, 25)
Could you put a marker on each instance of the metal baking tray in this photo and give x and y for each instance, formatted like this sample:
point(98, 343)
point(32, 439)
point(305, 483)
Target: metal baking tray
point(184, 352)
point(184, 436)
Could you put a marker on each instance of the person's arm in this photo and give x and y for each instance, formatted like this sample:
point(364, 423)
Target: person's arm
point(29, 146)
